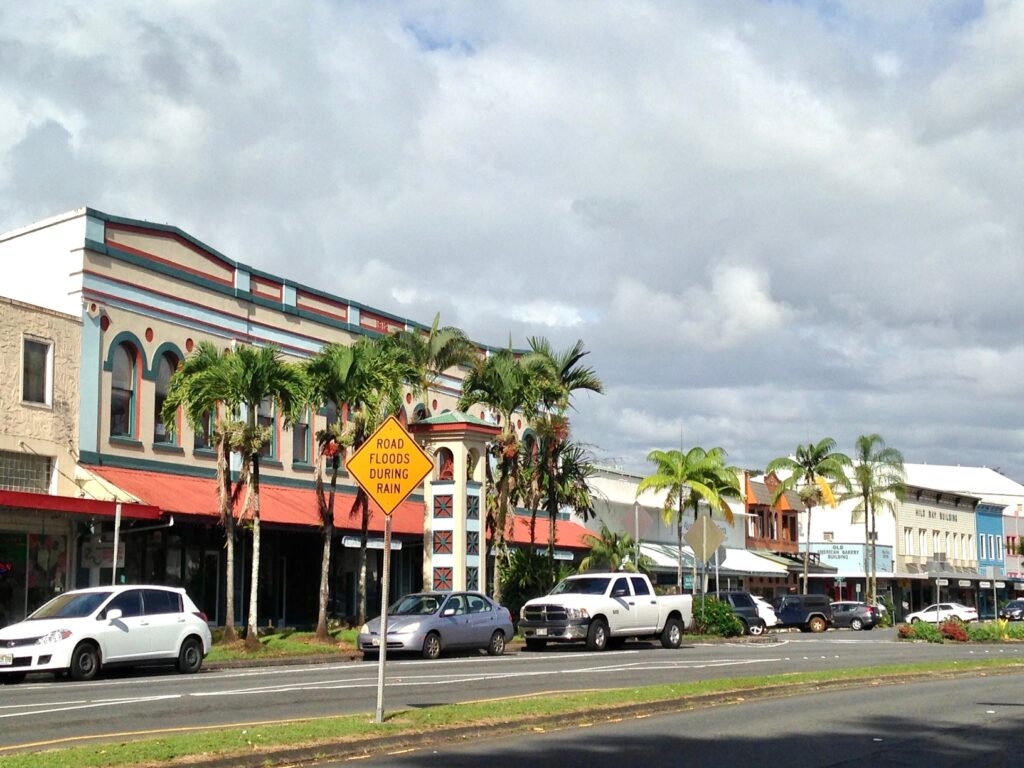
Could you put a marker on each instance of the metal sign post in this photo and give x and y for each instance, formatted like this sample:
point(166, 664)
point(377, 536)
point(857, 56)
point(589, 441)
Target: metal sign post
point(384, 585)
point(117, 537)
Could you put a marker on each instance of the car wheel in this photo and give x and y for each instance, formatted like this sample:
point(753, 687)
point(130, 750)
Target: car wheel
point(85, 662)
point(190, 657)
point(497, 645)
point(756, 629)
point(533, 644)
point(856, 624)
point(672, 634)
point(914, 620)
point(817, 624)
point(597, 635)
point(432, 646)
point(12, 678)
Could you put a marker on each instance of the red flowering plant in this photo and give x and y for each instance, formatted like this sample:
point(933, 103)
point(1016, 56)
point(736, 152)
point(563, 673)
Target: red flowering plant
point(954, 629)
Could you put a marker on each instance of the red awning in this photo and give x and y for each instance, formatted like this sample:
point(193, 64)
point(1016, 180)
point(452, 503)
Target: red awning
point(567, 533)
point(76, 506)
point(198, 496)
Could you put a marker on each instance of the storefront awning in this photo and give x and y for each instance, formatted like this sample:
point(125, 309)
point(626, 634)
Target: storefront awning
point(737, 562)
point(76, 506)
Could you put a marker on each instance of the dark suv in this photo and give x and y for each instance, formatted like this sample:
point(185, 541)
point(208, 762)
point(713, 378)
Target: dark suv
point(743, 605)
point(809, 613)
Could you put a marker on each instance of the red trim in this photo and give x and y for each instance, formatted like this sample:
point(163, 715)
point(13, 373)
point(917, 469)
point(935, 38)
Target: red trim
point(420, 427)
point(300, 295)
point(178, 239)
point(379, 323)
point(73, 505)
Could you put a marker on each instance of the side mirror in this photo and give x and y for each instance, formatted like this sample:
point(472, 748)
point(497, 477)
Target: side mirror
point(448, 612)
point(114, 614)
point(620, 592)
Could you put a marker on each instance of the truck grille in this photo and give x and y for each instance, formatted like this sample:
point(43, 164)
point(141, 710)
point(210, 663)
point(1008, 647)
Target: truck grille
point(547, 613)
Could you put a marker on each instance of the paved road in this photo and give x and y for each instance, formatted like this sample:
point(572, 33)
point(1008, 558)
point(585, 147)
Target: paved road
point(47, 712)
point(942, 724)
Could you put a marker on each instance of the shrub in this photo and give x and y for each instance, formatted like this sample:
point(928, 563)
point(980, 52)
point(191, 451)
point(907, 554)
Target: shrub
point(920, 631)
point(905, 632)
point(713, 617)
point(987, 632)
point(953, 629)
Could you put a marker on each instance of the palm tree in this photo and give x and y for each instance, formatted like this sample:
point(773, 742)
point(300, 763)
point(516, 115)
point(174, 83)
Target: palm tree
point(248, 376)
point(689, 478)
point(384, 366)
point(813, 471)
point(200, 405)
point(334, 378)
point(611, 551)
point(878, 481)
point(506, 384)
point(563, 375)
point(434, 352)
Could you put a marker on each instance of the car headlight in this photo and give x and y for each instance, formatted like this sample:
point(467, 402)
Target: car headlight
point(54, 637)
point(577, 613)
point(365, 629)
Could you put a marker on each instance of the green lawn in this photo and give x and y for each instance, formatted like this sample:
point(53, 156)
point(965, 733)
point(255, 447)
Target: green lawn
point(286, 643)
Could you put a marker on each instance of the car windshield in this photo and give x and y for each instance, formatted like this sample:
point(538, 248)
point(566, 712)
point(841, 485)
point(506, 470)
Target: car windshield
point(73, 605)
point(585, 586)
point(415, 605)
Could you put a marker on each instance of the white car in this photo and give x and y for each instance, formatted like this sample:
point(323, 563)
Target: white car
point(82, 631)
point(765, 611)
point(942, 611)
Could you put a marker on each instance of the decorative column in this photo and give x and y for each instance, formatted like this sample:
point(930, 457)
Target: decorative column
point(455, 493)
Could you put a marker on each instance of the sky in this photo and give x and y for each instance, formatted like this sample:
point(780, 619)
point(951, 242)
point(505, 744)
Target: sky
point(769, 222)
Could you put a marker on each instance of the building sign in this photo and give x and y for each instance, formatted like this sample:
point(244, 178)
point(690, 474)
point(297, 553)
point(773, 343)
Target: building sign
point(849, 558)
point(101, 555)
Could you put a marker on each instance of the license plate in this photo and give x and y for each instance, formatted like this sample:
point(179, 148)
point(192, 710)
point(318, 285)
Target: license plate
point(542, 632)
point(375, 641)
point(6, 659)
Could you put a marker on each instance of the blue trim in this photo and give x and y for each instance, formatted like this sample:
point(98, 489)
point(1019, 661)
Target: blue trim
point(204, 453)
point(299, 466)
point(127, 442)
point(118, 340)
point(168, 448)
point(148, 465)
point(266, 463)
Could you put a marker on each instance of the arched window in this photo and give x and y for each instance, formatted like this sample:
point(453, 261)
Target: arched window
point(124, 375)
point(420, 412)
point(165, 368)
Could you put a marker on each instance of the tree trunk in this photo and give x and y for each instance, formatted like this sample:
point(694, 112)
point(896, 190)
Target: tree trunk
point(227, 519)
point(679, 551)
point(807, 548)
point(873, 584)
point(552, 516)
point(499, 535)
point(252, 640)
point(363, 501)
point(327, 531)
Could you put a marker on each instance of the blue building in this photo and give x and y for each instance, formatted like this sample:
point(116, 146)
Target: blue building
point(991, 555)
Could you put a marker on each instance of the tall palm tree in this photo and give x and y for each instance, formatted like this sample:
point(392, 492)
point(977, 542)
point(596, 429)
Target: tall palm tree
point(434, 352)
point(690, 478)
point(202, 409)
point(877, 482)
point(813, 471)
point(506, 384)
point(563, 375)
point(385, 367)
point(334, 378)
point(248, 376)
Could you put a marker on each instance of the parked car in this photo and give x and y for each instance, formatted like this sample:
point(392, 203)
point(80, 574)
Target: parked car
point(856, 616)
point(808, 613)
point(942, 611)
point(1012, 611)
point(745, 609)
point(431, 622)
point(765, 611)
point(604, 610)
point(83, 631)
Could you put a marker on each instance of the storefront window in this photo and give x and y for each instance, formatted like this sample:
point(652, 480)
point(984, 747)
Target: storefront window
point(12, 577)
point(47, 568)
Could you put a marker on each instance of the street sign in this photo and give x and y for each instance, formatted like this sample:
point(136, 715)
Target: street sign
point(704, 537)
point(389, 465)
point(984, 584)
point(942, 582)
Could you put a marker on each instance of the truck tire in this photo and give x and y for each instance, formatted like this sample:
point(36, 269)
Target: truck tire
point(672, 634)
point(597, 635)
point(817, 624)
point(533, 644)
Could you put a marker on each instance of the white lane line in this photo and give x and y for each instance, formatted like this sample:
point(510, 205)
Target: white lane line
point(41, 704)
point(90, 705)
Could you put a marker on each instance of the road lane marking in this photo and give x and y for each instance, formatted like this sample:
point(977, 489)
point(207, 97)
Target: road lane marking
point(90, 705)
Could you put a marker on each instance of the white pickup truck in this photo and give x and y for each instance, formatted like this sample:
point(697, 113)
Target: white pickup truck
point(604, 610)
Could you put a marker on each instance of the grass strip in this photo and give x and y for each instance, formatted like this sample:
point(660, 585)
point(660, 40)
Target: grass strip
point(281, 644)
point(223, 741)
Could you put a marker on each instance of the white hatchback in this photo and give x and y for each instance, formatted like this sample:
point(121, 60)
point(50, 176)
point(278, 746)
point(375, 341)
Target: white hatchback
point(81, 631)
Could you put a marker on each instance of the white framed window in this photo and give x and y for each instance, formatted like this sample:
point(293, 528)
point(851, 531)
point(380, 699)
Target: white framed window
point(984, 551)
point(999, 548)
point(908, 541)
point(935, 543)
point(828, 536)
point(922, 540)
point(36, 371)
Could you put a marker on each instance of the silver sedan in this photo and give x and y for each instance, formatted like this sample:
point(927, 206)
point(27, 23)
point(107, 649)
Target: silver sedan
point(430, 622)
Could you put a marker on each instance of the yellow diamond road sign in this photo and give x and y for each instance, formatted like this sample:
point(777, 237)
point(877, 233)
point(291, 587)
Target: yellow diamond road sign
point(389, 465)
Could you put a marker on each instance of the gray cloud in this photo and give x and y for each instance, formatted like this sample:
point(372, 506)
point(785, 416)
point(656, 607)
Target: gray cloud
point(769, 222)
